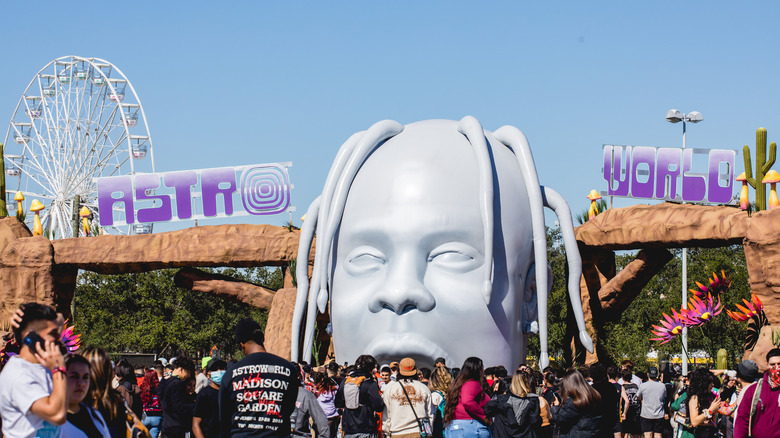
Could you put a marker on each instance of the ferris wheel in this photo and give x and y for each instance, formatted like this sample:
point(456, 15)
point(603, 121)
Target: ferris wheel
point(78, 119)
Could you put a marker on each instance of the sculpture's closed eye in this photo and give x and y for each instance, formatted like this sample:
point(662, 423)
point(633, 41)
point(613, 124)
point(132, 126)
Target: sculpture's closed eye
point(365, 260)
point(455, 257)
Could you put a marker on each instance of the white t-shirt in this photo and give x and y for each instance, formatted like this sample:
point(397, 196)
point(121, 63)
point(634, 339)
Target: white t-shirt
point(22, 383)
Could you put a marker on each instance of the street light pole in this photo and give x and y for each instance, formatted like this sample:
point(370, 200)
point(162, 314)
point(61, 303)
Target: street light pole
point(675, 116)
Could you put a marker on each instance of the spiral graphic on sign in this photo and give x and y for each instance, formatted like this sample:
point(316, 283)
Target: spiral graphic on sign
point(265, 189)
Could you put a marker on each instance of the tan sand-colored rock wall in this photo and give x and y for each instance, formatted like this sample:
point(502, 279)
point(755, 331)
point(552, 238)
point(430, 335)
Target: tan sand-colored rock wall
point(35, 269)
point(278, 327)
point(209, 246)
point(762, 252)
point(664, 226)
point(26, 274)
point(224, 287)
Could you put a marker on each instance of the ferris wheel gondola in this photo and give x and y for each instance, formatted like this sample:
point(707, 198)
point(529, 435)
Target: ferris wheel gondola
point(78, 119)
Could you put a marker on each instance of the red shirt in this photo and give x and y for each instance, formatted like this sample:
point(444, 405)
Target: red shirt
point(472, 401)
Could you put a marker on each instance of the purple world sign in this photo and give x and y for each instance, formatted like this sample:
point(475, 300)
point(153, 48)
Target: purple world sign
point(656, 173)
point(261, 189)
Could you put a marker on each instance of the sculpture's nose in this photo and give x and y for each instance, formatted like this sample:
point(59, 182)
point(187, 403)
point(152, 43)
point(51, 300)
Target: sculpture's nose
point(404, 290)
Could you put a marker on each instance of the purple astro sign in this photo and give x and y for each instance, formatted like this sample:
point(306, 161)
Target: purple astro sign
point(667, 173)
point(262, 189)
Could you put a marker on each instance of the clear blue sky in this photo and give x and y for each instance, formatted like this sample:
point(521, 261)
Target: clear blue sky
point(231, 83)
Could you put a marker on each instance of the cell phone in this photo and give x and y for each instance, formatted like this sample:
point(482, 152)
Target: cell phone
point(32, 340)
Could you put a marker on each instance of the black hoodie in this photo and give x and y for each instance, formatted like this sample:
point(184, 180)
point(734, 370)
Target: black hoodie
point(177, 406)
point(363, 419)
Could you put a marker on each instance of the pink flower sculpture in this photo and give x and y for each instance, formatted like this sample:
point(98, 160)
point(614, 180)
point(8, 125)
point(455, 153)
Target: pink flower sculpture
point(702, 310)
point(669, 328)
point(751, 309)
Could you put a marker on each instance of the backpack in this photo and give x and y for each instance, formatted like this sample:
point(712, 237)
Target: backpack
point(633, 399)
point(440, 407)
point(352, 391)
point(438, 417)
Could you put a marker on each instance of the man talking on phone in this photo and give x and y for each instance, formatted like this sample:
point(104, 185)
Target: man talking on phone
point(32, 384)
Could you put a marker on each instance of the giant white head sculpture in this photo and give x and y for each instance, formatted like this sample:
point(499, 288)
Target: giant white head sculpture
point(431, 242)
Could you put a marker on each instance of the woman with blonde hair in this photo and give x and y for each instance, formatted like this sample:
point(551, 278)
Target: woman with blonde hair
point(439, 383)
point(516, 414)
point(545, 428)
point(102, 396)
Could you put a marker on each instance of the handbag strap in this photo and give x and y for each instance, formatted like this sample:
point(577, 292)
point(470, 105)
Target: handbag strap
point(753, 404)
point(412, 406)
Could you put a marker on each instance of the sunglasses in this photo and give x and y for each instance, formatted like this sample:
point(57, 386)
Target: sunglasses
point(774, 365)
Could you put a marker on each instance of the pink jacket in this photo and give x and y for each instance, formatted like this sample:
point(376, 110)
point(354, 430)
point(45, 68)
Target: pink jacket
point(472, 401)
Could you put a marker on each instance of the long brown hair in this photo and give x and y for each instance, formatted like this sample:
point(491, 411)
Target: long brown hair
point(323, 383)
point(574, 386)
point(472, 369)
point(102, 395)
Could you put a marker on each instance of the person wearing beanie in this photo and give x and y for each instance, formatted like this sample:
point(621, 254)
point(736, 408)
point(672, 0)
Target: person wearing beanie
point(406, 400)
point(257, 394)
point(763, 420)
point(747, 374)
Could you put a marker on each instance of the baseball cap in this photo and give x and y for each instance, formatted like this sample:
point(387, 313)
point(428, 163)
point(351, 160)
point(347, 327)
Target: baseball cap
point(407, 367)
point(215, 364)
point(652, 372)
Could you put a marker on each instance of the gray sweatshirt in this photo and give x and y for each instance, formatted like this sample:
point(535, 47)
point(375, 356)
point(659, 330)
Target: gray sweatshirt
point(306, 406)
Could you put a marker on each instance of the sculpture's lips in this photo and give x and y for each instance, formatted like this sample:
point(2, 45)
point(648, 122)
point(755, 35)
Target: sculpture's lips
point(395, 346)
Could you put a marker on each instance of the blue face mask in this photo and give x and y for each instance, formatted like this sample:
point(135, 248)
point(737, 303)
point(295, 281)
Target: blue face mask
point(216, 376)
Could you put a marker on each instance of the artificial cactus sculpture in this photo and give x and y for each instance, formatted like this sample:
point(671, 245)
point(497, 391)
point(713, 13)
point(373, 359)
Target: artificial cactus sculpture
point(762, 166)
point(723, 359)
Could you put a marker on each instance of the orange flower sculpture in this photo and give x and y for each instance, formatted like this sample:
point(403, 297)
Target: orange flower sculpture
point(752, 308)
point(716, 287)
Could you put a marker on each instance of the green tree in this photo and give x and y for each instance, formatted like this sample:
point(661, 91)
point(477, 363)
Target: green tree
point(147, 313)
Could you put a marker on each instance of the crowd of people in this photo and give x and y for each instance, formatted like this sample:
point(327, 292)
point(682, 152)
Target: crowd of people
point(47, 393)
